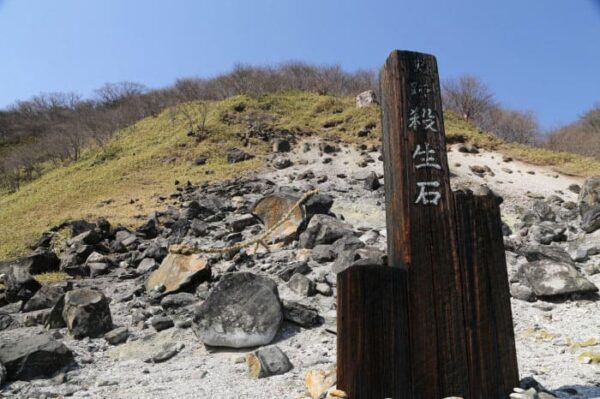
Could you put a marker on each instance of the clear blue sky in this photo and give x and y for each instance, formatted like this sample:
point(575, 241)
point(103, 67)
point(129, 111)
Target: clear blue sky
point(538, 55)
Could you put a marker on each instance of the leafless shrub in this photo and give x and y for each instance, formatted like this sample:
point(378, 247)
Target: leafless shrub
point(467, 96)
point(581, 137)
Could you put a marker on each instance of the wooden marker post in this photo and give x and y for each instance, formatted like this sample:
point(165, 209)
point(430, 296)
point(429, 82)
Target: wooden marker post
point(437, 322)
point(420, 228)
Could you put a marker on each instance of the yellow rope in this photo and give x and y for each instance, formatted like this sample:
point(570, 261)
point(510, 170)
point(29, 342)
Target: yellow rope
point(186, 249)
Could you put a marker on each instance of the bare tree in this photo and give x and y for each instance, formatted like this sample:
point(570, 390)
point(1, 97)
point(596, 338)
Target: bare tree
point(468, 96)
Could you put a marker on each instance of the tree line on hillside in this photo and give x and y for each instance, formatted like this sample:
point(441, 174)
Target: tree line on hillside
point(57, 127)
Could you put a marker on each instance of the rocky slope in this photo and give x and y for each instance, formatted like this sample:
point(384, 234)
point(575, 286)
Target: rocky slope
point(132, 320)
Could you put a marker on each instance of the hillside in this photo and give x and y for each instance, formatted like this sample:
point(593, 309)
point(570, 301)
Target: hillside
point(129, 177)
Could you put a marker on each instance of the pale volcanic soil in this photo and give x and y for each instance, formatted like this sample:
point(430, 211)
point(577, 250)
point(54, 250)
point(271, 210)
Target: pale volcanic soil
point(542, 329)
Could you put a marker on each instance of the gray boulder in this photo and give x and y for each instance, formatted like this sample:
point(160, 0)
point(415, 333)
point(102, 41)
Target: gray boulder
point(243, 310)
point(86, 313)
point(236, 155)
point(302, 285)
point(7, 322)
point(267, 362)
point(372, 182)
point(117, 336)
point(590, 220)
point(589, 196)
point(366, 98)
point(548, 232)
point(46, 297)
point(28, 353)
point(550, 278)
point(300, 314)
point(20, 285)
point(324, 229)
point(540, 252)
point(41, 261)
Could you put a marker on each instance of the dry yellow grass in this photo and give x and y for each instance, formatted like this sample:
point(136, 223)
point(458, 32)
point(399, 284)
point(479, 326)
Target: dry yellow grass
point(142, 162)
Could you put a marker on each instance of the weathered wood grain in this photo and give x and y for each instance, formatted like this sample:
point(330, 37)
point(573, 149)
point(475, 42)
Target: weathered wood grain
point(372, 352)
point(421, 238)
point(493, 370)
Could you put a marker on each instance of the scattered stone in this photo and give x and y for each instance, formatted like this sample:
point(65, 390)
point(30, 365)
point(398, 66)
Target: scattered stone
point(318, 204)
point(549, 278)
point(589, 195)
point(243, 310)
point(267, 362)
point(302, 315)
point(366, 98)
point(281, 145)
point(160, 323)
point(590, 219)
point(200, 161)
point(240, 222)
point(574, 188)
point(522, 292)
point(117, 336)
point(7, 322)
point(148, 230)
point(27, 354)
point(319, 381)
point(20, 285)
point(323, 229)
point(178, 300)
point(146, 265)
point(179, 271)
point(292, 268)
point(166, 354)
point(86, 313)
point(41, 261)
point(282, 163)
point(372, 182)
point(547, 232)
point(302, 285)
point(323, 253)
point(236, 155)
point(46, 297)
point(271, 209)
point(468, 148)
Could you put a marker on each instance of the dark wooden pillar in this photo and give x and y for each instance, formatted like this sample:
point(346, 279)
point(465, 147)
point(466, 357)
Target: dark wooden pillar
point(372, 352)
point(421, 234)
point(493, 370)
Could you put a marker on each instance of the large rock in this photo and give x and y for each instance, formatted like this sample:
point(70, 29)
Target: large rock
point(7, 322)
point(20, 285)
point(177, 272)
point(267, 362)
point(540, 252)
point(548, 232)
point(46, 297)
point(590, 220)
point(551, 278)
point(324, 229)
point(243, 310)
point(236, 155)
point(300, 314)
point(589, 195)
point(28, 353)
point(366, 98)
point(41, 261)
point(271, 208)
point(86, 313)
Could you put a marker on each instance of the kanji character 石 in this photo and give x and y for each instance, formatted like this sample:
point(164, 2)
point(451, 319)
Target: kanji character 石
point(425, 157)
point(428, 197)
